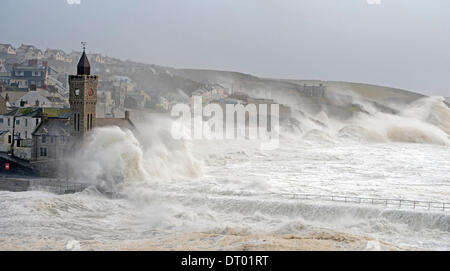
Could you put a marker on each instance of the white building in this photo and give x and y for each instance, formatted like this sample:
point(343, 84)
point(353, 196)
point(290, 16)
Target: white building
point(58, 55)
point(21, 123)
point(26, 120)
point(5, 141)
point(29, 52)
point(7, 49)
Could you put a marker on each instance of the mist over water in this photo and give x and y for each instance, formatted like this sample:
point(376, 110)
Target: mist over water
point(169, 186)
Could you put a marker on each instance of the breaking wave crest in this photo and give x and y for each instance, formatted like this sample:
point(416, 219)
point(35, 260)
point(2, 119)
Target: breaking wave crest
point(113, 158)
point(424, 121)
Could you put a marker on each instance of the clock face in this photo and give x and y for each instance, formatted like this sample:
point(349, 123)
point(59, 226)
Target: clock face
point(90, 92)
point(77, 92)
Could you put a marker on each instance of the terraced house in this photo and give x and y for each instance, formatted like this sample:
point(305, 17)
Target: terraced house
point(29, 52)
point(19, 124)
point(31, 76)
point(7, 49)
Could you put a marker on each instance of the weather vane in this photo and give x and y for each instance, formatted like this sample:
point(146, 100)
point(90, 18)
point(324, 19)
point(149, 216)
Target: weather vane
point(84, 45)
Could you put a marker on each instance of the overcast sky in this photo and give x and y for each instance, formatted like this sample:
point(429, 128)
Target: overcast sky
point(398, 43)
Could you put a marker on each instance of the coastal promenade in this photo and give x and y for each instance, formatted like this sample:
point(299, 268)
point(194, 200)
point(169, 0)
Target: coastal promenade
point(26, 183)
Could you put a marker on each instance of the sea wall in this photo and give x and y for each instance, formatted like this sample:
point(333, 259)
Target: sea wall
point(13, 185)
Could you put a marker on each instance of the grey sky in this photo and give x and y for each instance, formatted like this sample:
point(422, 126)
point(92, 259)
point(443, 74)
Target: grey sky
point(399, 43)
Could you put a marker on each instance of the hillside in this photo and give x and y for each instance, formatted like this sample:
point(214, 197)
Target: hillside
point(178, 84)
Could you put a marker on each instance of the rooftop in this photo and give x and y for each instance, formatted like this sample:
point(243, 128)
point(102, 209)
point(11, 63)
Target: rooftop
point(53, 126)
point(25, 112)
point(83, 67)
point(120, 122)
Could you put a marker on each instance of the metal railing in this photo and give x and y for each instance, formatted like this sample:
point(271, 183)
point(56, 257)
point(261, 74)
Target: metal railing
point(63, 186)
point(395, 203)
point(58, 186)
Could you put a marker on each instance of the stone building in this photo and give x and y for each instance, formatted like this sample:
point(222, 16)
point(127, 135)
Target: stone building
point(3, 105)
point(59, 136)
point(82, 99)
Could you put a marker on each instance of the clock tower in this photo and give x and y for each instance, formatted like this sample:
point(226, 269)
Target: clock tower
point(82, 99)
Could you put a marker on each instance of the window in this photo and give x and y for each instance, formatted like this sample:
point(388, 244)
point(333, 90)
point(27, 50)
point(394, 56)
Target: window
point(1, 120)
point(52, 139)
point(88, 124)
point(62, 139)
point(23, 84)
point(17, 122)
point(74, 121)
point(9, 121)
point(9, 139)
point(26, 134)
point(19, 73)
point(18, 143)
point(36, 73)
point(44, 138)
point(43, 151)
point(26, 122)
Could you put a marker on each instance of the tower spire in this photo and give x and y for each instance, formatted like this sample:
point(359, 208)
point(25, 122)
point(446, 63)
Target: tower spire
point(84, 68)
point(82, 98)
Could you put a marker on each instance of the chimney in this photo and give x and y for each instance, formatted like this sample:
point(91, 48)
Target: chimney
point(32, 62)
point(127, 115)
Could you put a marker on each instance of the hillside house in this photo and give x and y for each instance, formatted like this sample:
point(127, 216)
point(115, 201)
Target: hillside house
point(30, 76)
point(7, 49)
